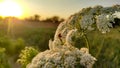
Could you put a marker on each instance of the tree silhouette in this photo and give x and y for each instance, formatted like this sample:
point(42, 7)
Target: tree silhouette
point(36, 17)
point(55, 19)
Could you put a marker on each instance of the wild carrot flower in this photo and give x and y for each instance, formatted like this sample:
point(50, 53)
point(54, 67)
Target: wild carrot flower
point(62, 53)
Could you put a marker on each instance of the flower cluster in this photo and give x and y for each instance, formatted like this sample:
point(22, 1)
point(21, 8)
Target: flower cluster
point(116, 14)
point(26, 55)
point(103, 22)
point(62, 53)
point(86, 59)
point(87, 21)
point(4, 63)
point(65, 57)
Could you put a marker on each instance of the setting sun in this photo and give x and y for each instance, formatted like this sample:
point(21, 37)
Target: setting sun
point(10, 8)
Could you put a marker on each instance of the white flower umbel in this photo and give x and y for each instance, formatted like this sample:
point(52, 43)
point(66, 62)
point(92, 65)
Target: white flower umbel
point(55, 44)
point(72, 20)
point(103, 22)
point(51, 44)
point(62, 58)
point(64, 34)
point(70, 62)
point(59, 29)
point(62, 53)
point(69, 36)
point(86, 22)
point(116, 14)
point(86, 59)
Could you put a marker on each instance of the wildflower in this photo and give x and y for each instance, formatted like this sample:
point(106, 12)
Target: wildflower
point(49, 65)
point(64, 33)
point(73, 19)
point(86, 59)
point(26, 55)
point(59, 29)
point(103, 23)
point(70, 62)
point(116, 14)
point(62, 53)
point(51, 44)
point(69, 36)
point(84, 50)
point(86, 22)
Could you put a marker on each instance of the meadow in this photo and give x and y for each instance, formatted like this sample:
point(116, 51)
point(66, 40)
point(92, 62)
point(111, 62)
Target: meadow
point(22, 34)
point(105, 47)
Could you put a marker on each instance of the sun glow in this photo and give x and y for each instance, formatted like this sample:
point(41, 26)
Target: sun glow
point(10, 8)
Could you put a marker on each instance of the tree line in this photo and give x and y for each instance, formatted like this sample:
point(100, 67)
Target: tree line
point(36, 18)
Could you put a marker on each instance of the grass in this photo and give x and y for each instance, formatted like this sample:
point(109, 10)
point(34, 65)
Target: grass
point(34, 34)
point(105, 47)
point(23, 34)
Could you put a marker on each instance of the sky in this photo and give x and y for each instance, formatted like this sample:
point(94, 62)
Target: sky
point(62, 8)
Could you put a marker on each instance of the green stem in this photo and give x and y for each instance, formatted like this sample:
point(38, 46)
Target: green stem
point(100, 48)
point(87, 41)
point(84, 35)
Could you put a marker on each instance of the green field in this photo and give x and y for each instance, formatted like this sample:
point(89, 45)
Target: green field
point(105, 47)
point(22, 34)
